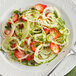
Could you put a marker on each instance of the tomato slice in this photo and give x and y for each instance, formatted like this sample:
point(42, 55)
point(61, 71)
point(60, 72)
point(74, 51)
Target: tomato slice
point(28, 58)
point(13, 34)
point(46, 29)
point(26, 37)
point(55, 48)
point(40, 7)
point(46, 14)
point(14, 18)
point(54, 33)
point(9, 22)
point(31, 14)
point(32, 56)
point(23, 19)
point(40, 18)
point(18, 54)
point(13, 45)
point(7, 32)
point(34, 45)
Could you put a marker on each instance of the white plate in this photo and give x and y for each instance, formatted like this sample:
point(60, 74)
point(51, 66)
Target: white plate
point(62, 5)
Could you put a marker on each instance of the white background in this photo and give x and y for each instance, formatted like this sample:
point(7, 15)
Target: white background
point(8, 70)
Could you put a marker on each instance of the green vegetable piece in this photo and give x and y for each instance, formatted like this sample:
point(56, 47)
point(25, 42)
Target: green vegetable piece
point(41, 39)
point(32, 62)
point(11, 53)
point(60, 21)
point(8, 26)
point(1, 50)
point(55, 14)
point(32, 8)
point(17, 12)
point(23, 11)
point(25, 62)
point(37, 44)
point(27, 52)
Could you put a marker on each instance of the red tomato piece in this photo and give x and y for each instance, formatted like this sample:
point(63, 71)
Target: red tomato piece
point(28, 58)
point(32, 56)
point(7, 32)
point(23, 19)
point(13, 45)
point(54, 33)
point(46, 14)
point(26, 37)
point(21, 26)
point(31, 14)
point(49, 19)
point(13, 34)
point(14, 18)
point(40, 7)
point(18, 54)
point(46, 29)
point(40, 18)
point(32, 45)
point(9, 22)
point(55, 48)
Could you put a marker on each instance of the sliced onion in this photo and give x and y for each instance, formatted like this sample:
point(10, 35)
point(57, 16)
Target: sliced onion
point(12, 38)
point(56, 42)
point(23, 57)
point(2, 30)
point(20, 44)
point(5, 49)
point(44, 56)
point(51, 9)
point(43, 60)
point(37, 35)
point(5, 43)
point(29, 41)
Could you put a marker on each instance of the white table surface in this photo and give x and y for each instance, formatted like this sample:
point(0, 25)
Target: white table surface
point(7, 70)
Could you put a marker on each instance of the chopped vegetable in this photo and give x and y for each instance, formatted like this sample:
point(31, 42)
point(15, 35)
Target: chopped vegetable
point(34, 36)
point(8, 26)
point(46, 29)
point(40, 7)
point(7, 32)
point(17, 12)
point(13, 45)
point(54, 33)
point(14, 18)
point(19, 54)
point(55, 48)
point(33, 46)
point(22, 19)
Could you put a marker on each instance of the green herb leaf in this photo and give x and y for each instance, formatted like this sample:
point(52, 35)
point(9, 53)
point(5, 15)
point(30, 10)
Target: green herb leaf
point(8, 26)
point(32, 62)
point(55, 14)
point(27, 52)
point(37, 44)
point(32, 8)
point(1, 50)
point(11, 53)
point(25, 62)
point(17, 12)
